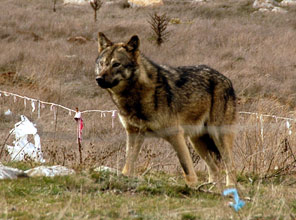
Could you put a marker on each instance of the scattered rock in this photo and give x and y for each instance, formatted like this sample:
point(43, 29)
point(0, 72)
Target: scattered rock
point(76, 2)
point(275, 9)
point(10, 173)
point(70, 56)
point(288, 2)
point(279, 10)
point(145, 3)
point(106, 169)
point(258, 4)
point(78, 39)
point(50, 171)
point(264, 10)
point(268, 6)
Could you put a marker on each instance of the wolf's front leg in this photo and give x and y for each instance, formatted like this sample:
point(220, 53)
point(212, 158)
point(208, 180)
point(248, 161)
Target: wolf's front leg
point(134, 142)
point(179, 144)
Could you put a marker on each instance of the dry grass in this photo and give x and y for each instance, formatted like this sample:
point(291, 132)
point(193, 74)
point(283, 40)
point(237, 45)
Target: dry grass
point(91, 195)
point(256, 51)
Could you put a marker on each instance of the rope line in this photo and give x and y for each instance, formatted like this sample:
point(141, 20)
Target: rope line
point(5, 93)
point(267, 115)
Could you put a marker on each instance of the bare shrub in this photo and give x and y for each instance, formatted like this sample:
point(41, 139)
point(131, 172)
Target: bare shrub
point(264, 146)
point(96, 5)
point(124, 4)
point(54, 5)
point(159, 24)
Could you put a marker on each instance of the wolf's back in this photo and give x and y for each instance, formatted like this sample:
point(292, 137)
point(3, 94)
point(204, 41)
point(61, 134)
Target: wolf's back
point(196, 92)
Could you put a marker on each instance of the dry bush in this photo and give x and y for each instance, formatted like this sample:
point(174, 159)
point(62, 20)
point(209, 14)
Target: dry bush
point(159, 24)
point(265, 148)
point(54, 5)
point(256, 51)
point(96, 5)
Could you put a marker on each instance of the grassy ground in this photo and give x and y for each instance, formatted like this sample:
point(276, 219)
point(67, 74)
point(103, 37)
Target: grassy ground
point(101, 195)
point(40, 58)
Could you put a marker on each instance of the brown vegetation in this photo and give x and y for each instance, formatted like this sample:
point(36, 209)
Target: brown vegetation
point(96, 5)
point(159, 24)
point(256, 51)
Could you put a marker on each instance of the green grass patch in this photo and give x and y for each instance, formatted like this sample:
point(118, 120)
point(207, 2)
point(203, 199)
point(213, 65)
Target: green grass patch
point(105, 195)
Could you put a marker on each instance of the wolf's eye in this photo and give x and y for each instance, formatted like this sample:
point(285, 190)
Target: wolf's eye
point(115, 65)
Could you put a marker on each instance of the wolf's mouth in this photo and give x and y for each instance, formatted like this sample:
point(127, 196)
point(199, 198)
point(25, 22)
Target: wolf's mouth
point(106, 85)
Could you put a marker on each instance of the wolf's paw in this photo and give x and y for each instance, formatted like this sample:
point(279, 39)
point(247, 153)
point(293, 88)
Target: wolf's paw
point(230, 181)
point(191, 181)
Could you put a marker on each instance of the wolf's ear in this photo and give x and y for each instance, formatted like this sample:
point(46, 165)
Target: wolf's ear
point(103, 42)
point(133, 44)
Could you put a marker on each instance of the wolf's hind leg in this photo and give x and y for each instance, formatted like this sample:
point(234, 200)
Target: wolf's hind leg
point(224, 143)
point(133, 145)
point(208, 151)
point(179, 145)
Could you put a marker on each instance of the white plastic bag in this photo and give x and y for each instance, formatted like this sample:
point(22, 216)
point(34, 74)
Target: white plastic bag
point(22, 148)
point(10, 173)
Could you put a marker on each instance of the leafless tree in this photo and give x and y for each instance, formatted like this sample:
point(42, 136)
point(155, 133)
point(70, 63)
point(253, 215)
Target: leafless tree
point(96, 5)
point(159, 24)
point(54, 5)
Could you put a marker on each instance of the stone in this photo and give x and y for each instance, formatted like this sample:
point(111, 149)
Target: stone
point(263, 10)
point(77, 2)
point(264, 4)
point(78, 39)
point(106, 169)
point(144, 3)
point(268, 6)
point(279, 10)
point(50, 171)
point(10, 173)
point(288, 2)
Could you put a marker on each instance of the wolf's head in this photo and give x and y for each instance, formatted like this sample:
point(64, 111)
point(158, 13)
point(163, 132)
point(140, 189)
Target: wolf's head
point(117, 62)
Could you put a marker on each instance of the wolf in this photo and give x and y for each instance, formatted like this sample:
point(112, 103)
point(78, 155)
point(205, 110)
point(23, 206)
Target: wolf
point(173, 103)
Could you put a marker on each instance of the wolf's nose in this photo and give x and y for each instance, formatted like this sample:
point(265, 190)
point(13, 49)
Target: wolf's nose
point(100, 81)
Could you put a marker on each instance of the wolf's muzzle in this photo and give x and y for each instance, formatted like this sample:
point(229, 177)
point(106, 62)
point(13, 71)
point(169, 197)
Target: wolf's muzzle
point(105, 84)
point(102, 82)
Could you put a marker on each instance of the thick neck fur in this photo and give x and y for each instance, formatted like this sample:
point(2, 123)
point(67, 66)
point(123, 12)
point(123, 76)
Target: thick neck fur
point(140, 87)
